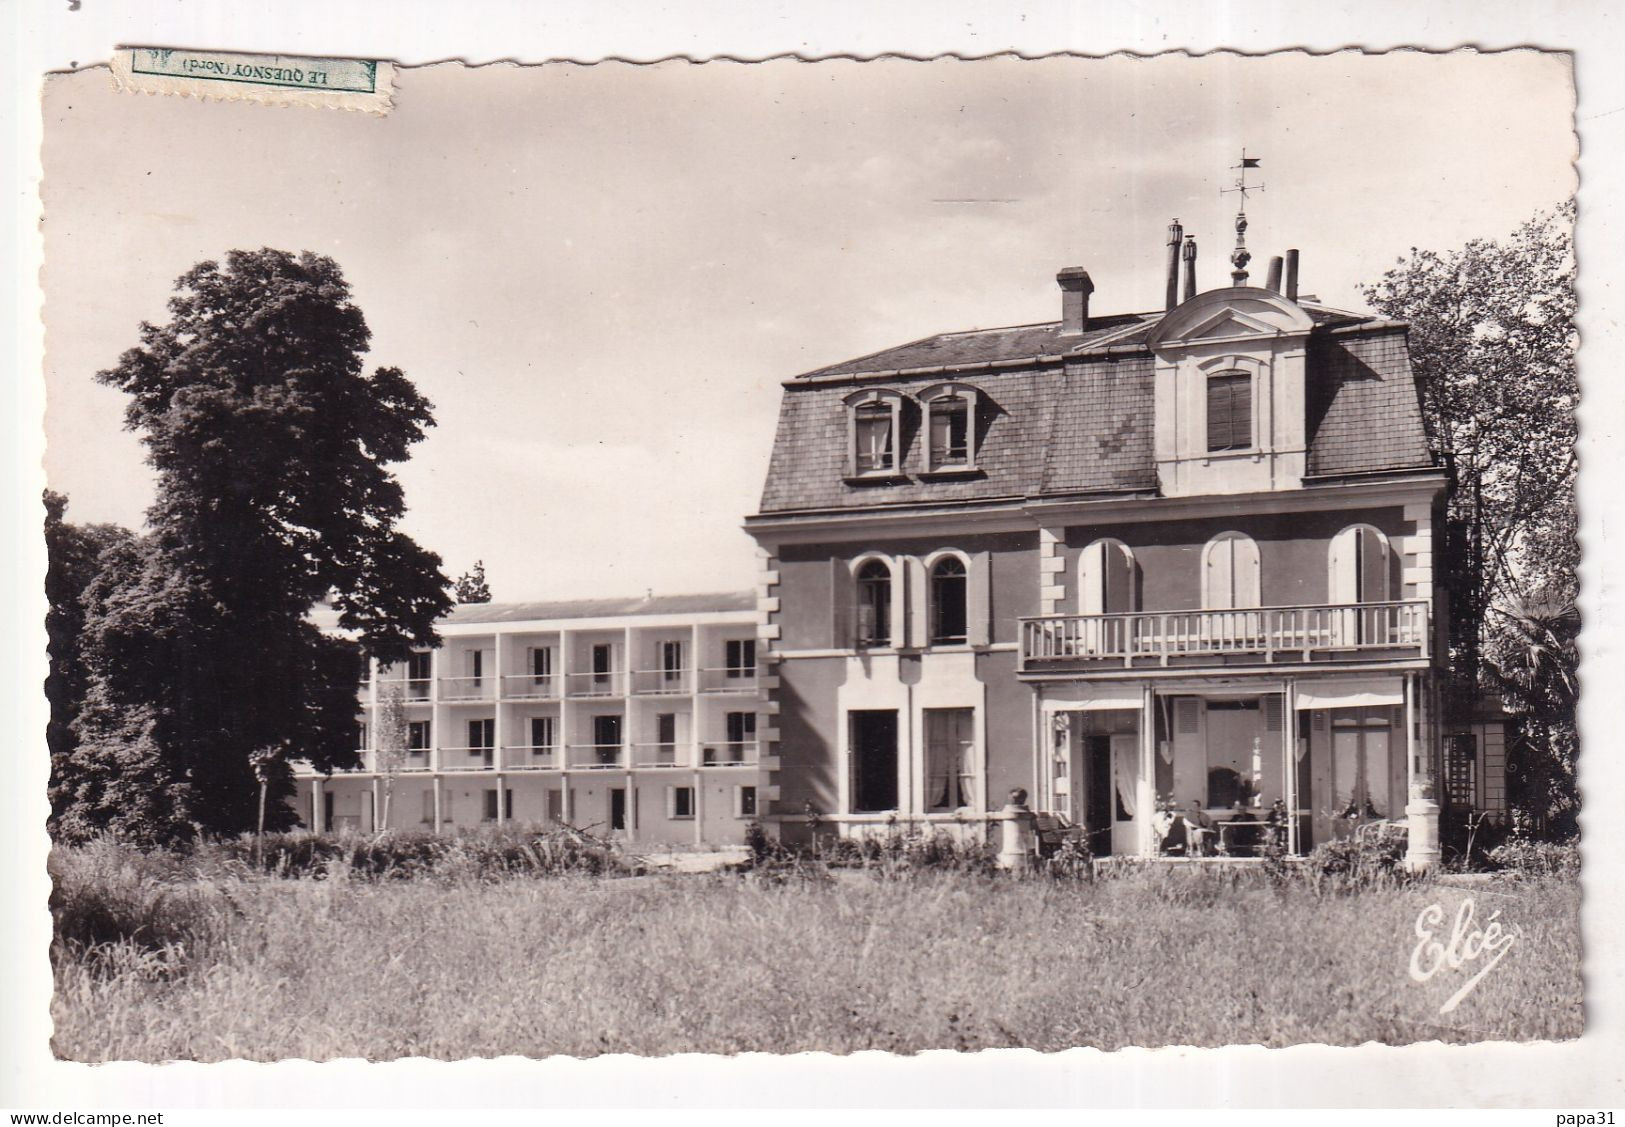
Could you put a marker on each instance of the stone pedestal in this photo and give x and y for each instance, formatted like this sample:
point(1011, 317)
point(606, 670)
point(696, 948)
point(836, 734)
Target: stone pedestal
point(1017, 834)
point(1421, 833)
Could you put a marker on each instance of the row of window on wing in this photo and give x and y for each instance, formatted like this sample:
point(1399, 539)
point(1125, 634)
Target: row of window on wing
point(879, 430)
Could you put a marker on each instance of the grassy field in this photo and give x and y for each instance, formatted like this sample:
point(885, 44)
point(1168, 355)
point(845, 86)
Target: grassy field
point(156, 963)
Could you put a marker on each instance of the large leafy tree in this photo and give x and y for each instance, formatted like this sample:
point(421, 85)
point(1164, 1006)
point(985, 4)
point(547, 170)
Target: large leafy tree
point(273, 448)
point(73, 553)
point(1493, 339)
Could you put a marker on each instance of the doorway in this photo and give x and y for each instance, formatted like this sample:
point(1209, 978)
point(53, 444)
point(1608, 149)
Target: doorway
point(874, 760)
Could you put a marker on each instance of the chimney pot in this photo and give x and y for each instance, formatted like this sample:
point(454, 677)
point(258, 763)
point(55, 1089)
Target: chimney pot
point(1076, 286)
point(1176, 235)
point(1190, 266)
point(1274, 282)
point(1292, 275)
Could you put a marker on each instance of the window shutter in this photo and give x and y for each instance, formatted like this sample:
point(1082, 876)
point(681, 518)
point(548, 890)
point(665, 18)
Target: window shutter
point(842, 589)
point(1185, 718)
point(1272, 713)
point(1118, 583)
point(1220, 576)
point(915, 627)
point(1245, 570)
point(1241, 412)
point(1218, 413)
point(1373, 566)
point(1091, 585)
point(979, 600)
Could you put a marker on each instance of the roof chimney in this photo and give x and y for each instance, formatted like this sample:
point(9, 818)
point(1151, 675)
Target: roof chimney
point(1274, 282)
point(1176, 234)
point(1292, 275)
point(1190, 266)
point(1076, 287)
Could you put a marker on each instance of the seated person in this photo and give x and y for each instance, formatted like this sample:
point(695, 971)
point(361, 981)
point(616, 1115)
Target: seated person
point(1276, 821)
point(1242, 836)
point(1170, 830)
point(1199, 826)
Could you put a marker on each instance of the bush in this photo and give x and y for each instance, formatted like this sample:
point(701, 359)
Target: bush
point(1528, 858)
point(1354, 864)
point(487, 853)
point(114, 909)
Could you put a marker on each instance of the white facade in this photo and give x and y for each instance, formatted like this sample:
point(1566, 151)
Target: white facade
point(645, 725)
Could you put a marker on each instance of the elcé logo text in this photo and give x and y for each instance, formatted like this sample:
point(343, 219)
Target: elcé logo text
point(1466, 946)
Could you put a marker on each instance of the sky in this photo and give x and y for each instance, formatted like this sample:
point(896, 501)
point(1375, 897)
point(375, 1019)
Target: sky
point(601, 274)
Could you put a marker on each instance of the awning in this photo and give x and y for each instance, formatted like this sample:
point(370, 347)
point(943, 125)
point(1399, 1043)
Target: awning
point(1094, 699)
point(1363, 693)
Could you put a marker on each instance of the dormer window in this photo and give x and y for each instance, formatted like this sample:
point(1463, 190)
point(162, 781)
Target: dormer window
point(950, 428)
point(875, 433)
point(1230, 411)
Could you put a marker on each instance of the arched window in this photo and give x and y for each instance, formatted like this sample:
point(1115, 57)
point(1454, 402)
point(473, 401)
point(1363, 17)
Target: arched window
point(1106, 579)
point(874, 604)
point(1361, 567)
point(1230, 572)
point(874, 431)
point(950, 427)
point(948, 601)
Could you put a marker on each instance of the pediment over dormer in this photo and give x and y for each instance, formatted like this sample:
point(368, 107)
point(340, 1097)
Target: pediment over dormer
point(1226, 314)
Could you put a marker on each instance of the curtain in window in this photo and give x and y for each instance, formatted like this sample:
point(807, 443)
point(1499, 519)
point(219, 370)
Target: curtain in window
point(874, 437)
point(1126, 774)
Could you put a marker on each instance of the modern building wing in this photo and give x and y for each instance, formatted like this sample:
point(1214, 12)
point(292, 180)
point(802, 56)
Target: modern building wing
point(638, 718)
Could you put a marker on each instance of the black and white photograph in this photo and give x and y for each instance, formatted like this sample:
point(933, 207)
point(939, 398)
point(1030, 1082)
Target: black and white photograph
point(611, 559)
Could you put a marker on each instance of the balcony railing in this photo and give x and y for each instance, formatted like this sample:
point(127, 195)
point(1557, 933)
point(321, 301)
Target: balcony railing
point(467, 688)
point(1342, 632)
point(592, 756)
point(468, 758)
point(530, 686)
point(739, 679)
point(725, 754)
point(667, 682)
point(530, 757)
point(595, 684)
point(661, 755)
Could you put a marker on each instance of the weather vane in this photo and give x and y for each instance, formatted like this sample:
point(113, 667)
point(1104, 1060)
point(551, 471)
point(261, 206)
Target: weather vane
point(1240, 258)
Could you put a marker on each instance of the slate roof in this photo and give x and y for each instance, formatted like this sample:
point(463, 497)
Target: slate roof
point(1073, 416)
point(1020, 342)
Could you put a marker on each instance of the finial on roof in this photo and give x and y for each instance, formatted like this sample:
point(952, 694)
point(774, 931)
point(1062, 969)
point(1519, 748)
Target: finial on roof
point(1240, 258)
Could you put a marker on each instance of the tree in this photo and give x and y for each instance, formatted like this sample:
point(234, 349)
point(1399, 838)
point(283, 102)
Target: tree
point(1493, 340)
point(471, 585)
point(389, 745)
point(73, 559)
point(272, 446)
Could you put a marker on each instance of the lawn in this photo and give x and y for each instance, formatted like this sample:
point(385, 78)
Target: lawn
point(234, 964)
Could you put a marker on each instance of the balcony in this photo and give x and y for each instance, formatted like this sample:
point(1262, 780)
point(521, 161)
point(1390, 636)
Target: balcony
point(608, 684)
point(660, 755)
point(530, 686)
point(467, 688)
point(662, 682)
point(735, 679)
point(725, 754)
point(468, 758)
point(1335, 634)
point(595, 756)
point(530, 757)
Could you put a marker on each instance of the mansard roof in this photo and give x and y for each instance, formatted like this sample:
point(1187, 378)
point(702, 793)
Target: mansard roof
point(1071, 415)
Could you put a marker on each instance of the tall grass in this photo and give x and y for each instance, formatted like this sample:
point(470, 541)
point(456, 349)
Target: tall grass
point(161, 959)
